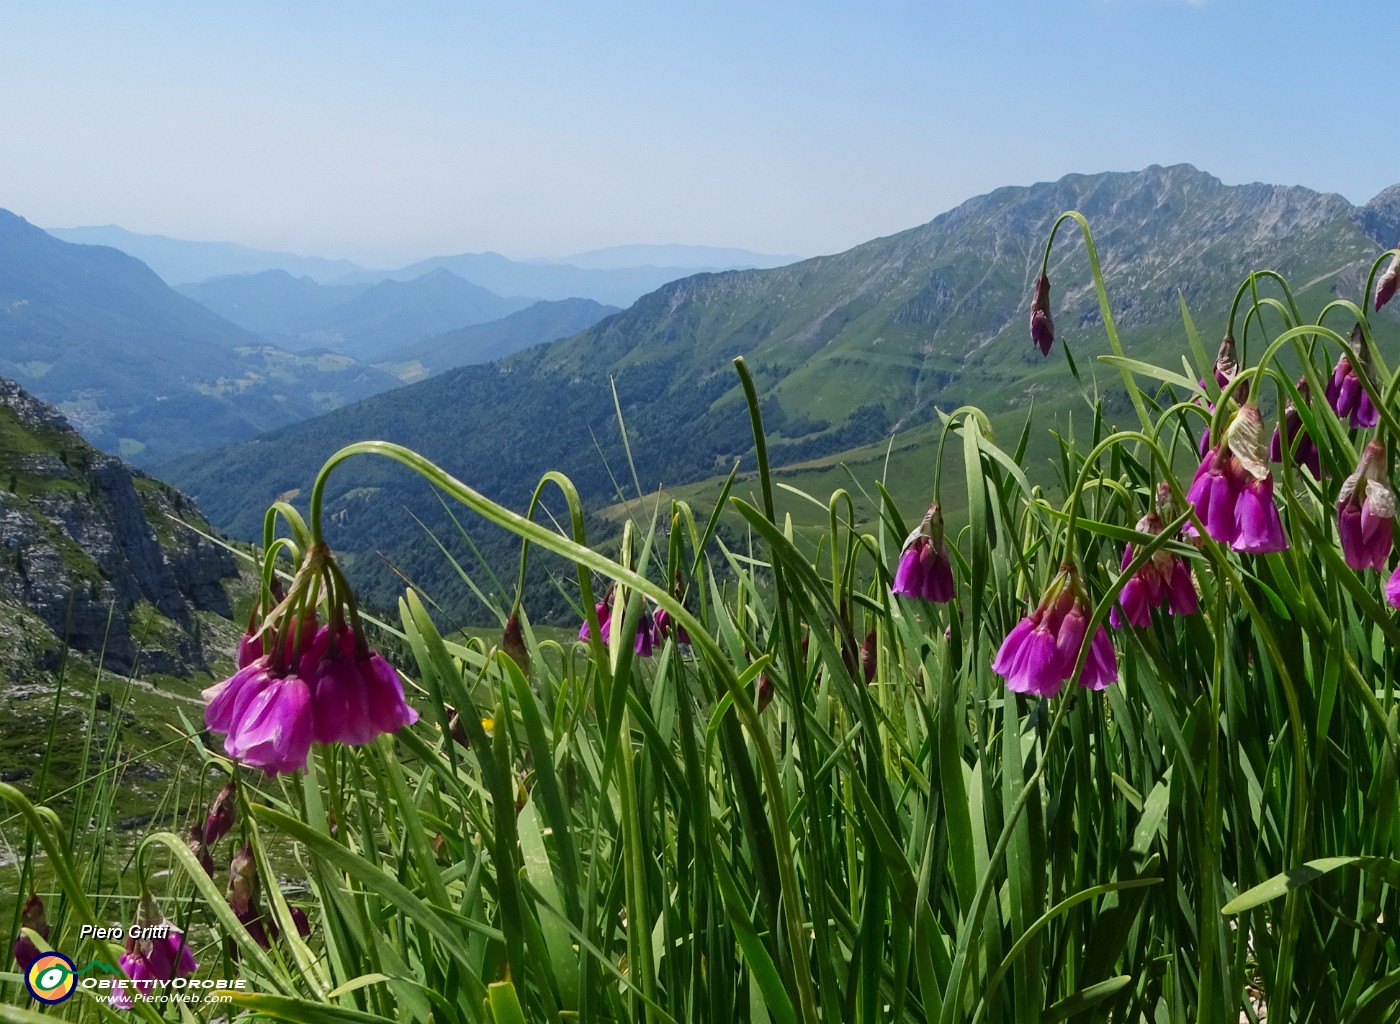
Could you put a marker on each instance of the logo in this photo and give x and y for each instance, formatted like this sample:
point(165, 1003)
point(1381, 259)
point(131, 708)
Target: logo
point(50, 978)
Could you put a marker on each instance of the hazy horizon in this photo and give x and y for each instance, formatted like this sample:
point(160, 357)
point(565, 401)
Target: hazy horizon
point(385, 136)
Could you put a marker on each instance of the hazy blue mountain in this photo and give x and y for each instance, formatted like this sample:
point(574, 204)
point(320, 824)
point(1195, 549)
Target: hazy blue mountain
point(692, 257)
point(385, 317)
point(180, 261)
point(483, 343)
point(846, 349)
point(617, 287)
point(272, 303)
point(139, 369)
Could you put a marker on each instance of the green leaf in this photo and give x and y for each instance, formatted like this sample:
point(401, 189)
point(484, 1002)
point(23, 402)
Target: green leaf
point(1383, 868)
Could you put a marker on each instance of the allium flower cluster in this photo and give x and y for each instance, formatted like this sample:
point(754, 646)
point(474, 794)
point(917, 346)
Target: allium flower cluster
point(648, 634)
point(925, 570)
point(1366, 512)
point(147, 961)
point(1233, 491)
point(1039, 654)
point(1345, 392)
point(322, 685)
point(1162, 579)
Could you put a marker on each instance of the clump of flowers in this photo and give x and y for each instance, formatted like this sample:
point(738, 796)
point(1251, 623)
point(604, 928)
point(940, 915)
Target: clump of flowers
point(1345, 392)
point(1163, 579)
point(306, 683)
point(147, 961)
point(925, 569)
point(645, 638)
point(1292, 427)
point(1233, 490)
point(1366, 512)
point(1042, 327)
point(1039, 654)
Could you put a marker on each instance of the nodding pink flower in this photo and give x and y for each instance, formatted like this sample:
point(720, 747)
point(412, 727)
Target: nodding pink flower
point(1163, 579)
point(31, 917)
point(1366, 512)
point(250, 649)
point(356, 693)
point(662, 623)
point(925, 569)
point(642, 642)
point(1345, 392)
point(1392, 588)
point(1039, 654)
point(220, 817)
point(266, 717)
point(869, 652)
point(1292, 427)
point(276, 727)
point(147, 961)
point(603, 609)
point(1042, 327)
point(1233, 489)
point(1386, 283)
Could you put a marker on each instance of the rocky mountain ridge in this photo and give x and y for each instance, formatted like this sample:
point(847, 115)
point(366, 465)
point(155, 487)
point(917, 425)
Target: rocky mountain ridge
point(94, 553)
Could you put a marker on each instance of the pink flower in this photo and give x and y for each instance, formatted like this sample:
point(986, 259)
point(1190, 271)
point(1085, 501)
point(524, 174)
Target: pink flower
point(357, 695)
point(275, 728)
point(925, 569)
point(31, 917)
point(1305, 454)
point(1366, 512)
point(603, 609)
point(1040, 652)
point(1345, 392)
point(661, 623)
point(1233, 489)
point(1042, 327)
point(1163, 579)
point(1392, 588)
point(147, 961)
point(869, 654)
point(1386, 283)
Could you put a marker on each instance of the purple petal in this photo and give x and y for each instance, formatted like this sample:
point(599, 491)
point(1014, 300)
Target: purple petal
point(276, 729)
point(1257, 520)
point(1101, 667)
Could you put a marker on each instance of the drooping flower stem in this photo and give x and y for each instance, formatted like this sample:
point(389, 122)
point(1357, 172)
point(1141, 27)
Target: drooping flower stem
point(704, 644)
point(1139, 406)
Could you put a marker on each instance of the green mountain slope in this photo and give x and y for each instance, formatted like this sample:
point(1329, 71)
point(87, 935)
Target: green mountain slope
point(139, 369)
point(481, 343)
point(846, 349)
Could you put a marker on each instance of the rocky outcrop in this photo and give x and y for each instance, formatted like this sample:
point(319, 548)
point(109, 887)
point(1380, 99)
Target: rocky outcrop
point(98, 551)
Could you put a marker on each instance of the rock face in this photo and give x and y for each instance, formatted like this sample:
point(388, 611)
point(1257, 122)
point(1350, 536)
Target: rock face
point(92, 547)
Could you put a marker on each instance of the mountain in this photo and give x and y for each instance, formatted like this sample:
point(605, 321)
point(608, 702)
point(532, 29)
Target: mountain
point(387, 316)
point(92, 554)
point(614, 286)
point(845, 350)
point(483, 343)
point(272, 303)
point(691, 257)
point(139, 369)
point(179, 261)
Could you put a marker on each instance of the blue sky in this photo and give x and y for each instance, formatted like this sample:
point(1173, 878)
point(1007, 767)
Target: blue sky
point(386, 132)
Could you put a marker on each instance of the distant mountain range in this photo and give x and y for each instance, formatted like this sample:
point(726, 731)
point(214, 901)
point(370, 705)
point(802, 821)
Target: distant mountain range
point(179, 261)
point(143, 371)
point(846, 349)
point(617, 275)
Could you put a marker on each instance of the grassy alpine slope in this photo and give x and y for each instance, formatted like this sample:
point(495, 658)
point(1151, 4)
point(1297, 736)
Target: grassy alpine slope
point(831, 807)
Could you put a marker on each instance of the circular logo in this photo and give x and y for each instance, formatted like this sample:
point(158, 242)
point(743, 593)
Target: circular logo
point(50, 978)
